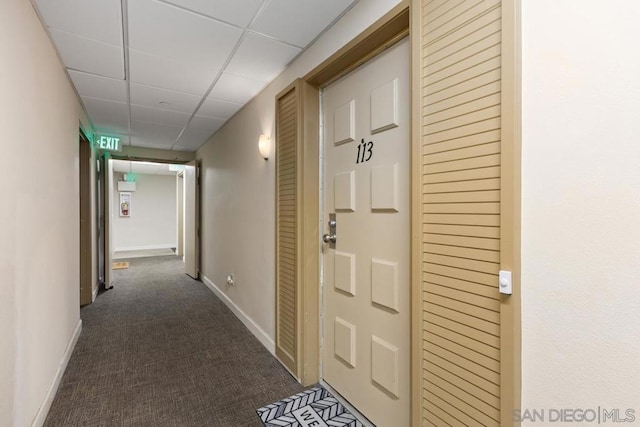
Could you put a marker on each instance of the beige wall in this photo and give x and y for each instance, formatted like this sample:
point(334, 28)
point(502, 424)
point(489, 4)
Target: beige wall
point(238, 186)
point(581, 206)
point(39, 118)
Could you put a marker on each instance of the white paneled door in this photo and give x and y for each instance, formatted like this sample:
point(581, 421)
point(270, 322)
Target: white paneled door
point(366, 307)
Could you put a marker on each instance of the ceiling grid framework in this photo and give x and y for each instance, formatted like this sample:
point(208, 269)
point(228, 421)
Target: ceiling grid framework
point(169, 73)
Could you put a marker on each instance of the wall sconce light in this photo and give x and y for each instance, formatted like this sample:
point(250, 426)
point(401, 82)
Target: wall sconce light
point(264, 146)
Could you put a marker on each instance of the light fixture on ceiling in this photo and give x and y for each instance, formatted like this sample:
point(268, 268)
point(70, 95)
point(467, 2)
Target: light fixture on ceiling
point(264, 146)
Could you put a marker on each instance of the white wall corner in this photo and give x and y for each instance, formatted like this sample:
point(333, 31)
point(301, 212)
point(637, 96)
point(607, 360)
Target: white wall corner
point(94, 294)
point(255, 329)
point(51, 394)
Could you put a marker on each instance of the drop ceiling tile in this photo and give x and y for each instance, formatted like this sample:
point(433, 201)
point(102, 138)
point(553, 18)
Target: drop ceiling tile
point(172, 75)
point(260, 58)
point(169, 32)
point(232, 11)
point(192, 139)
point(153, 135)
point(218, 108)
point(210, 124)
point(150, 143)
point(96, 19)
point(234, 88)
point(88, 55)
point(299, 22)
point(106, 125)
point(149, 96)
point(140, 113)
point(94, 86)
point(102, 107)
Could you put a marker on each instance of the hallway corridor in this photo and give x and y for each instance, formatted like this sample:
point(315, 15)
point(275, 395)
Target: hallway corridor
point(160, 349)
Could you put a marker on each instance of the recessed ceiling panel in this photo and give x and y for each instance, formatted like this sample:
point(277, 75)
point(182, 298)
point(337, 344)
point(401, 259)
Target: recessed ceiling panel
point(94, 86)
point(150, 143)
point(173, 75)
point(218, 108)
point(96, 19)
point(208, 123)
point(83, 54)
point(299, 22)
point(234, 88)
point(153, 135)
point(97, 107)
point(140, 113)
point(162, 98)
point(176, 50)
point(232, 11)
point(260, 58)
point(169, 32)
point(111, 125)
point(192, 139)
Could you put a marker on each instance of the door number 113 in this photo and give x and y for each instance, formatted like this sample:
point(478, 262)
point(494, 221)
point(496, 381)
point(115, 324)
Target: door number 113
point(365, 151)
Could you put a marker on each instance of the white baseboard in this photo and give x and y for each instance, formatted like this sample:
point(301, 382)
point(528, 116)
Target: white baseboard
point(51, 394)
point(248, 322)
point(95, 292)
point(145, 247)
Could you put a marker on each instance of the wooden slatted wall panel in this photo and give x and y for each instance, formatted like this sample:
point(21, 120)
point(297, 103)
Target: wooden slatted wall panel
point(287, 239)
point(460, 136)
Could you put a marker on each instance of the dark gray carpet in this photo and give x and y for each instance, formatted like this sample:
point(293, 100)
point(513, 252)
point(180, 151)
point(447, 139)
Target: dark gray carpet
point(160, 349)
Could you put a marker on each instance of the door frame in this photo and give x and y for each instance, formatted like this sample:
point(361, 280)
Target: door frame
point(510, 213)
point(394, 63)
point(510, 208)
point(86, 220)
point(108, 201)
point(384, 33)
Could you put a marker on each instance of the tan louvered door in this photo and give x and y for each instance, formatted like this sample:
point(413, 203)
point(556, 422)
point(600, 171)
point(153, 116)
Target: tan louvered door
point(286, 230)
point(459, 199)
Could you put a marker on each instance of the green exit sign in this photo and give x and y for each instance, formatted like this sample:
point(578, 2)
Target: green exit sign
point(109, 143)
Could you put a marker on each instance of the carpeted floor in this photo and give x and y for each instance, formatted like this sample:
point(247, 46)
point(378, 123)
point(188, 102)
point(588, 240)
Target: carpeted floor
point(160, 349)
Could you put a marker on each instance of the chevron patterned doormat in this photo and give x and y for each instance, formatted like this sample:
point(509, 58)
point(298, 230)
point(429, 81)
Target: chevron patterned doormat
point(315, 407)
